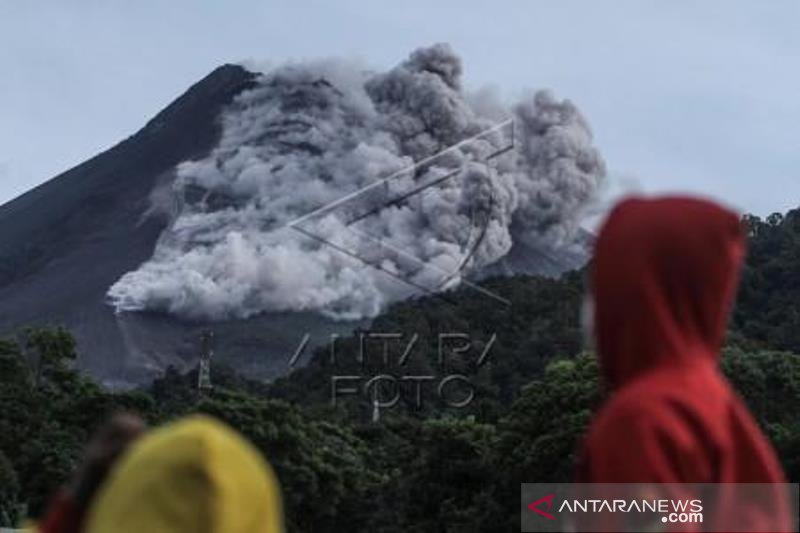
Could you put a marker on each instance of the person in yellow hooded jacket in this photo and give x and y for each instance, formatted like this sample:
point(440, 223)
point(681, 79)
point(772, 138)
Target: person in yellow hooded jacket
point(195, 475)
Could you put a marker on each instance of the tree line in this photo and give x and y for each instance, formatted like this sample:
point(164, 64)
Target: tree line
point(424, 466)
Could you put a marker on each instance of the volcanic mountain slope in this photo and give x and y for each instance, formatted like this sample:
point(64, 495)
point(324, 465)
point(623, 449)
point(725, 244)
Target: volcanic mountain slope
point(64, 243)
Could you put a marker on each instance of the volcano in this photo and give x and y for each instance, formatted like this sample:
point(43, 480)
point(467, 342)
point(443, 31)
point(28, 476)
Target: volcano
point(66, 242)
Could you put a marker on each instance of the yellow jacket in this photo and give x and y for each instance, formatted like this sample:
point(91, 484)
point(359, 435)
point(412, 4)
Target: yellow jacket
point(193, 476)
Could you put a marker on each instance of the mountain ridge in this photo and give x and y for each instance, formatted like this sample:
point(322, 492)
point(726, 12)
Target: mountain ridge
point(65, 242)
point(225, 81)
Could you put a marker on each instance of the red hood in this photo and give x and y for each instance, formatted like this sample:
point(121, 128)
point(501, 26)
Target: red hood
point(664, 276)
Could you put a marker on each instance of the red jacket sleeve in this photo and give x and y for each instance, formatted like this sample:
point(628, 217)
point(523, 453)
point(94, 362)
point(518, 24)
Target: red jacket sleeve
point(637, 444)
point(63, 516)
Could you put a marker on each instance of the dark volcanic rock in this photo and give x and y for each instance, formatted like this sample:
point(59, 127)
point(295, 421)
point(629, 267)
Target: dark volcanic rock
point(65, 242)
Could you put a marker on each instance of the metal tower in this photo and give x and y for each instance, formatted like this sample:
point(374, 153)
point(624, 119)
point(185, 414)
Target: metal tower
point(206, 353)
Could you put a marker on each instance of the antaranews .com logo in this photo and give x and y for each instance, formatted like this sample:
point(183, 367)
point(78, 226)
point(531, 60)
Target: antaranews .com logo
point(672, 511)
point(746, 508)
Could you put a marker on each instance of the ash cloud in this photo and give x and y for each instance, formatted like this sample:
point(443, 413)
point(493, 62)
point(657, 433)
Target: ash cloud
point(311, 133)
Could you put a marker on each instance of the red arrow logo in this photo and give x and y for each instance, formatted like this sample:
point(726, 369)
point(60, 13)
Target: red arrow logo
point(535, 506)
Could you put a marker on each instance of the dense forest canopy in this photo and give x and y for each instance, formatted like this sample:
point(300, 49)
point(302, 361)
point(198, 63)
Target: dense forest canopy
point(534, 392)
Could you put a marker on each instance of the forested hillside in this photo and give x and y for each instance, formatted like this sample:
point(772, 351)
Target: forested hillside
point(424, 466)
point(768, 309)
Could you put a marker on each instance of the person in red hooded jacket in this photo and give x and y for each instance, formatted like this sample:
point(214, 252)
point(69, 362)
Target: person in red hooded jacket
point(663, 278)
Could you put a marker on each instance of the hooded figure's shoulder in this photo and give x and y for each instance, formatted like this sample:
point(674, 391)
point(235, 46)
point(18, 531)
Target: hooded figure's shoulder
point(644, 438)
point(679, 396)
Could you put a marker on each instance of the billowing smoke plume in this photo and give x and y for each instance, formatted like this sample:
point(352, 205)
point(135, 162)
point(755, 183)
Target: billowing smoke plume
point(310, 134)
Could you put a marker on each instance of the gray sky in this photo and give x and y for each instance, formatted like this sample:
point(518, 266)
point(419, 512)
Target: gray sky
point(681, 96)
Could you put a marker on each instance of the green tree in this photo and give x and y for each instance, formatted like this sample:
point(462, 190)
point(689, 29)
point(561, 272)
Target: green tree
point(322, 464)
point(9, 493)
point(769, 382)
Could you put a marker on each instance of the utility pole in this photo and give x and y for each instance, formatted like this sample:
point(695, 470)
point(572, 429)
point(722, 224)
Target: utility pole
point(32, 355)
point(376, 411)
point(204, 368)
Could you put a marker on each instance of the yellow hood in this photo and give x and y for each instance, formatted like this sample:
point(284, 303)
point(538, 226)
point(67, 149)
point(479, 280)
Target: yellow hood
point(194, 476)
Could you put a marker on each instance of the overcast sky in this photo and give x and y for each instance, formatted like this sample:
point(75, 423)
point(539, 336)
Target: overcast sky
point(682, 96)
